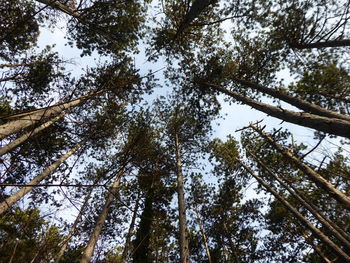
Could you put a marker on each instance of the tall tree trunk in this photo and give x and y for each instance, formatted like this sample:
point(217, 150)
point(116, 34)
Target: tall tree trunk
point(82, 19)
point(195, 10)
point(207, 250)
point(327, 223)
point(27, 135)
point(317, 249)
point(184, 250)
point(293, 100)
point(298, 215)
point(126, 249)
point(48, 171)
point(62, 7)
point(329, 125)
point(321, 44)
point(141, 252)
point(314, 176)
point(32, 117)
point(89, 249)
point(74, 227)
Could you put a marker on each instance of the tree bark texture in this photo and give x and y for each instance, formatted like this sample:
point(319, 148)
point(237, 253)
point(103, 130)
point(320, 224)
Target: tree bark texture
point(314, 176)
point(27, 135)
point(73, 228)
point(292, 100)
point(321, 44)
point(126, 249)
point(89, 249)
point(299, 216)
point(327, 223)
point(48, 171)
point(205, 240)
point(30, 118)
point(184, 250)
point(329, 125)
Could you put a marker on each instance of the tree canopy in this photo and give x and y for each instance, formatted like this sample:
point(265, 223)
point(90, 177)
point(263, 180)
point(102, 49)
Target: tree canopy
point(122, 158)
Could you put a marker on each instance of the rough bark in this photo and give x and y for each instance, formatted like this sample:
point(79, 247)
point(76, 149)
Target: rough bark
point(73, 228)
point(321, 44)
point(184, 250)
point(89, 249)
point(314, 176)
point(48, 171)
point(292, 100)
point(329, 125)
point(299, 216)
point(30, 118)
point(27, 135)
point(326, 222)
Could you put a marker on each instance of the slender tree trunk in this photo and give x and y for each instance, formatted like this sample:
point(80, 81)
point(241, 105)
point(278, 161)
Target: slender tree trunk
point(322, 44)
point(317, 249)
point(329, 125)
point(314, 176)
point(184, 250)
point(13, 252)
point(82, 19)
point(62, 7)
point(30, 118)
point(232, 245)
point(203, 235)
point(292, 100)
point(74, 227)
point(328, 224)
point(298, 215)
point(11, 78)
point(89, 249)
point(16, 65)
point(48, 171)
point(126, 249)
point(141, 253)
point(27, 135)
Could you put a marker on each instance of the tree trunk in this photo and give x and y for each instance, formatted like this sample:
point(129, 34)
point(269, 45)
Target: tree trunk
point(126, 249)
point(292, 100)
point(204, 236)
point(74, 227)
point(27, 135)
point(62, 7)
point(322, 44)
point(65, 9)
point(328, 224)
point(298, 215)
point(32, 117)
point(49, 170)
point(141, 253)
point(317, 249)
point(89, 250)
point(16, 65)
point(314, 176)
point(195, 10)
point(184, 250)
point(329, 125)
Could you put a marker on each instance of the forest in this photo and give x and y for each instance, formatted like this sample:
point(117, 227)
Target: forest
point(112, 148)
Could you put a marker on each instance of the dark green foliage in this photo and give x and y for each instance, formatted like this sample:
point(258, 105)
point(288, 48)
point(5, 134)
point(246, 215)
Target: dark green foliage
point(19, 27)
point(25, 236)
point(108, 26)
